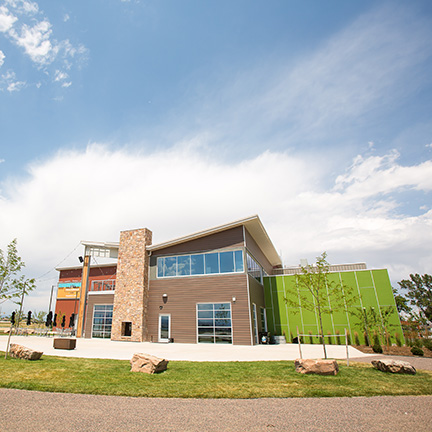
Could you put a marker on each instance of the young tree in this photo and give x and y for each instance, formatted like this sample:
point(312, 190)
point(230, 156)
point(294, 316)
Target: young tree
point(317, 293)
point(420, 294)
point(12, 284)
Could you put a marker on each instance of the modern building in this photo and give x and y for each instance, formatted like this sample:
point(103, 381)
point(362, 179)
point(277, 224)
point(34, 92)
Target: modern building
point(221, 285)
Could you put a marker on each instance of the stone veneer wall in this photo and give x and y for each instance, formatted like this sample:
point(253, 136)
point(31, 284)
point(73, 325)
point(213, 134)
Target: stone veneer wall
point(132, 285)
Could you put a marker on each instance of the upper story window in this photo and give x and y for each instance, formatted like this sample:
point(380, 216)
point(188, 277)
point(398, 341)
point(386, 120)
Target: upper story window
point(201, 264)
point(254, 268)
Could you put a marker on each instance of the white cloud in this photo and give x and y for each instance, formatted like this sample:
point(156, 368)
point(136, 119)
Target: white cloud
point(2, 57)
point(10, 82)
point(2, 160)
point(184, 189)
point(66, 17)
point(27, 27)
point(7, 20)
point(429, 145)
point(36, 42)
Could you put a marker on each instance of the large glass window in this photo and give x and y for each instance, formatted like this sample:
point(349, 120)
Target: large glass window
point(201, 264)
point(214, 323)
point(254, 269)
point(102, 321)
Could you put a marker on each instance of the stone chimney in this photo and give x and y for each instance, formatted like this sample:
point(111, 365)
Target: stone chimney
point(132, 287)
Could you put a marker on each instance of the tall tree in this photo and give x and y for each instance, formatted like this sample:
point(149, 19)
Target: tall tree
point(317, 293)
point(401, 303)
point(12, 284)
point(419, 291)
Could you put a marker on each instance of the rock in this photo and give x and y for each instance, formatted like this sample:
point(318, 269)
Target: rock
point(147, 363)
point(319, 367)
point(22, 352)
point(394, 366)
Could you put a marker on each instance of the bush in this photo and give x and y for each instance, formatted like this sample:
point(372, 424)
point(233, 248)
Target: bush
point(366, 339)
point(310, 337)
point(376, 340)
point(356, 338)
point(338, 338)
point(398, 340)
point(417, 343)
point(417, 351)
point(427, 343)
point(377, 348)
point(349, 338)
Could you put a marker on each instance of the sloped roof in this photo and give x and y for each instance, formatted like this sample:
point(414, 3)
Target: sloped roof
point(254, 227)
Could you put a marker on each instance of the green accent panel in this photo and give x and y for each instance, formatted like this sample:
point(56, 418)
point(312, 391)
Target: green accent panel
point(385, 293)
point(364, 278)
point(368, 297)
point(285, 319)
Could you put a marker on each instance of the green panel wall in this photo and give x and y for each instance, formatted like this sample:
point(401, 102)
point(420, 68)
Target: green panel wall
point(364, 288)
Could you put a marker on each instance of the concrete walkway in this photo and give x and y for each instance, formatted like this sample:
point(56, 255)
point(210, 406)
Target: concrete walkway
point(105, 348)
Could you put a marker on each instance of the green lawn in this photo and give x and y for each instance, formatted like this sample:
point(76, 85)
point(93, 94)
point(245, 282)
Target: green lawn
point(204, 379)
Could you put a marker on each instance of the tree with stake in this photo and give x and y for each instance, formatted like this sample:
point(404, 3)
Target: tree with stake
point(317, 293)
point(12, 285)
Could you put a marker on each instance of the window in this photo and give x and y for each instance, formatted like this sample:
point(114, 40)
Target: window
point(263, 320)
point(200, 264)
point(126, 329)
point(102, 321)
point(214, 323)
point(254, 269)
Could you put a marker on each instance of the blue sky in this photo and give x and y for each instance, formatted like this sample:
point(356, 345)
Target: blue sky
point(181, 115)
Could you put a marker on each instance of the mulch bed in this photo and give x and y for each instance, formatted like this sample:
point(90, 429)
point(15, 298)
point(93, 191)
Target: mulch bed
point(394, 351)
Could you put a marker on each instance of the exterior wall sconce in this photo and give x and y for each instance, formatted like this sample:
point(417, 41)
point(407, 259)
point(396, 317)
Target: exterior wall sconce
point(165, 298)
point(234, 299)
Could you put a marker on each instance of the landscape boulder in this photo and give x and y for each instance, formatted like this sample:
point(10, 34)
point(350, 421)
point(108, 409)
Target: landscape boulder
point(319, 367)
point(394, 366)
point(147, 363)
point(22, 352)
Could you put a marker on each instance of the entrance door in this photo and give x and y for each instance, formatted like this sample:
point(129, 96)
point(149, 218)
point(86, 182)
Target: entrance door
point(164, 328)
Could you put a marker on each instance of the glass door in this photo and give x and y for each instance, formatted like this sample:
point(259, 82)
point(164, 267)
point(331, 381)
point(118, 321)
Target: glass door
point(164, 328)
point(255, 323)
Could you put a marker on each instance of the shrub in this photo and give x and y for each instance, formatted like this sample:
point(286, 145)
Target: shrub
point(376, 340)
point(330, 341)
point(310, 337)
point(338, 338)
point(398, 340)
point(366, 338)
point(348, 338)
point(417, 343)
point(356, 338)
point(377, 348)
point(427, 343)
point(417, 351)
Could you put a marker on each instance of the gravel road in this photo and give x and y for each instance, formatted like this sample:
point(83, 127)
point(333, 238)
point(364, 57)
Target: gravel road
point(23, 411)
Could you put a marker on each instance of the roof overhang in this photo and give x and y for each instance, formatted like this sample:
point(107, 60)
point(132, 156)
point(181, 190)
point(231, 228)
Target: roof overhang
point(254, 227)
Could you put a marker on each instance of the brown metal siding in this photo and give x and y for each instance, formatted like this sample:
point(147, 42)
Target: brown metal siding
point(225, 239)
point(185, 293)
point(94, 299)
point(255, 250)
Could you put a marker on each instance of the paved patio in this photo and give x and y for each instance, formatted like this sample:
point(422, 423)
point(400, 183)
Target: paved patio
point(105, 348)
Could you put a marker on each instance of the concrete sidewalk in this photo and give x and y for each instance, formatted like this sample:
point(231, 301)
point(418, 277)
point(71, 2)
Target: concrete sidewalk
point(105, 348)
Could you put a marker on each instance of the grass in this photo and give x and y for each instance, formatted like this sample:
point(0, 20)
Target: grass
point(204, 379)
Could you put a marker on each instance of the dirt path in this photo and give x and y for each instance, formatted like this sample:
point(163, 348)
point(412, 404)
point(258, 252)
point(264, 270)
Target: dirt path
point(21, 411)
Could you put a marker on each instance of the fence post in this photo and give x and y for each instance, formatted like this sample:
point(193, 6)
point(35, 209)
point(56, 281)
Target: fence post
point(299, 343)
point(346, 344)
